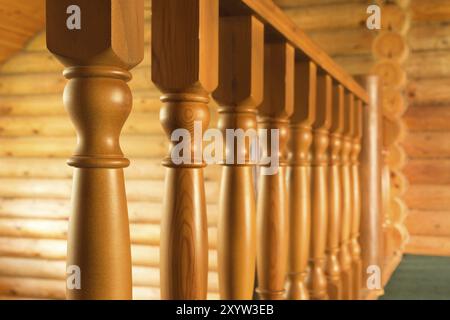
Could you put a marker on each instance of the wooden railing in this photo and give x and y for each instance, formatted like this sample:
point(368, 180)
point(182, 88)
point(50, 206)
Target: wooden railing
point(299, 237)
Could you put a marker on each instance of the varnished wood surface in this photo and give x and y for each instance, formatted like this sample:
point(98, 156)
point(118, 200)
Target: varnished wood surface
point(98, 236)
point(299, 178)
point(319, 188)
point(238, 94)
point(185, 68)
point(272, 210)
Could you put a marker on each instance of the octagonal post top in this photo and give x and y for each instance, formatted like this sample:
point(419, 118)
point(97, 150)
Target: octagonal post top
point(324, 101)
point(241, 63)
point(101, 32)
point(185, 44)
point(305, 95)
point(279, 60)
point(338, 105)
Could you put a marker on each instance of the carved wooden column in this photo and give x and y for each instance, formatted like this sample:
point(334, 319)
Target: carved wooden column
point(319, 188)
point(185, 69)
point(298, 178)
point(239, 92)
point(345, 257)
point(272, 228)
point(333, 269)
point(355, 248)
point(103, 43)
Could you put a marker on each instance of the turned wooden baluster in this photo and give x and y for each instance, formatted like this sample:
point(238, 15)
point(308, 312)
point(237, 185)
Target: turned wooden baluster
point(345, 257)
point(272, 214)
point(97, 57)
point(319, 188)
point(355, 248)
point(185, 69)
point(298, 178)
point(239, 92)
point(333, 269)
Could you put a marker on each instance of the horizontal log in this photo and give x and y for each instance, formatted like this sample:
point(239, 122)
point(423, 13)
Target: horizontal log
point(428, 223)
point(426, 145)
point(393, 75)
point(394, 103)
point(429, 91)
point(59, 209)
point(356, 64)
point(399, 183)
point(57, 229)
point(61, 126)
point(426, 245)
point(331, 16)
point(398, 211)
point(395, 18)
point(396, 157)
point(55, 249)
point(436, 63)
point(137, 190)
point(133, 146)
point(428, 171)
point(429, 36)
point(56, 168)
point(428, 197)
point(55, 289)
point(344, 42)
point(56, 270)
point(390, 45)
point(393, 131)
point(428, 118)
point(52, 104)
point(52, 82)
point(430, 10)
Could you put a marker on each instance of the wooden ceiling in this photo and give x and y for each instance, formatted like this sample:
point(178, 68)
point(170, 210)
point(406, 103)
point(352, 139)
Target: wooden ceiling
point(19, 21)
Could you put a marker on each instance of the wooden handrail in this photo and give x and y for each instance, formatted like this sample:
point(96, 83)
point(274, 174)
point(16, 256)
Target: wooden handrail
point(279, 25)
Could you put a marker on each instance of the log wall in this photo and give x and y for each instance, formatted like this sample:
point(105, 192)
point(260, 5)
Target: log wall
point(428, 118)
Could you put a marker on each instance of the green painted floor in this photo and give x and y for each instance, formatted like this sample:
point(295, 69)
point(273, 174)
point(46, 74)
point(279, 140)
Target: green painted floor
point(420, 278)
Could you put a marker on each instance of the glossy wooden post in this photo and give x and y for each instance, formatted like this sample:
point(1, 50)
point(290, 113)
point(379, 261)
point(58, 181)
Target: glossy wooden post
point(298, 178)
point(110, 41)
point(345, 257)
point(241, 66)
point(371, 236)
point(185, 69)
point(319, 188)
point(333, 269)
point(355, 248)
point(272, 213)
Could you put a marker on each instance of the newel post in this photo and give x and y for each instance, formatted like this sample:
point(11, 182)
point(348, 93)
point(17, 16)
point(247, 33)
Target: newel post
point(319, 188)
point(98, 42)
point(345, 257)
point(333, 269)
point(185, 69)
point(240, 89)
point(272, 213)
point(298, 178)
point(356, 200)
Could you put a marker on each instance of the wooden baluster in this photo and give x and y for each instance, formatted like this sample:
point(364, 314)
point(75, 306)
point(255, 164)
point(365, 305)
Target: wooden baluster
point(272, 228)
point(355, 248)
point(345, 257)
point(298, 178)
point(97, 56)
point(319, 188)
point(185, 69)
point(239, 92)
point(333, 269)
